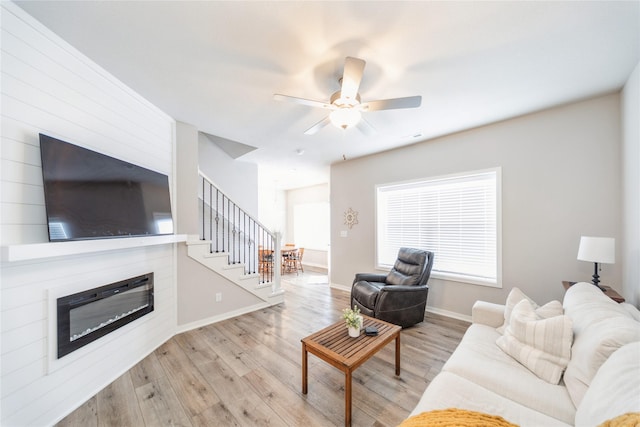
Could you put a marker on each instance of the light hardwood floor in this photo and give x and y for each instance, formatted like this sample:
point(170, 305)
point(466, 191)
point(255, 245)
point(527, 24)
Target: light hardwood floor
point(246, 371)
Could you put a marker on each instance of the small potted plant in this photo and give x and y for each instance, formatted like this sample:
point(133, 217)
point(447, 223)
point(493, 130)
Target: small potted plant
point(353, 320)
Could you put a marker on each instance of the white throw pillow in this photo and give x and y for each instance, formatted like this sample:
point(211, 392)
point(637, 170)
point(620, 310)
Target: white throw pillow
point(542, 345)
point(615, 389)
point(553, 308)
point(593, 347)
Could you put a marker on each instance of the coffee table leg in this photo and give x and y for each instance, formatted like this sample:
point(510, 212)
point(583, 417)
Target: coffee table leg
point(347, 398)
point(304, 368)
point(398, 355)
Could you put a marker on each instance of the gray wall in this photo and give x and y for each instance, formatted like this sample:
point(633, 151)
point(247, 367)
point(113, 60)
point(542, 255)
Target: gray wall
point(560, 180)
point(197, 285)
point(187, 185)
point(631, 187)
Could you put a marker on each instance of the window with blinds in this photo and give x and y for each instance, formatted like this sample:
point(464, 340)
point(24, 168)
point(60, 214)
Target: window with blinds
point(456, 217)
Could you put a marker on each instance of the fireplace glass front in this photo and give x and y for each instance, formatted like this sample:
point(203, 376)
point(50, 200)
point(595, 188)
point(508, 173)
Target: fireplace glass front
point(86, 316)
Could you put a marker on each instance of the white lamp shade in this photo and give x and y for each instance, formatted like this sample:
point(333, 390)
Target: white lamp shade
point(597, 249)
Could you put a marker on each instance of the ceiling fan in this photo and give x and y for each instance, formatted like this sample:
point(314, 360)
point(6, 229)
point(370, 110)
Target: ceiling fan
point(346, 106)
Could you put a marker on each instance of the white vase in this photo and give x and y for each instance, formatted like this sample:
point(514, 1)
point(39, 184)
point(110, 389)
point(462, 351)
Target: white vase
point(354, 331)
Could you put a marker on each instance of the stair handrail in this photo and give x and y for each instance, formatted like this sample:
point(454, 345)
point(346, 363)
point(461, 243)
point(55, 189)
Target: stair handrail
point(210, 181)
point(239, 248)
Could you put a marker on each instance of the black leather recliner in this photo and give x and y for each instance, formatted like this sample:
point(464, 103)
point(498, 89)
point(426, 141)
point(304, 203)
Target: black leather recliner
point(399, 297)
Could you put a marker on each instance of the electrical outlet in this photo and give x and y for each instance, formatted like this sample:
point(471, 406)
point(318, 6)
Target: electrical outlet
point(218, 296)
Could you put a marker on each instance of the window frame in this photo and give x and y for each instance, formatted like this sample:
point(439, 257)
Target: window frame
point(474, 280)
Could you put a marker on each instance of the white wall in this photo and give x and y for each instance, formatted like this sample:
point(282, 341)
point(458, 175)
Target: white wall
point(49, 87)
point(631, 188)
point(560, 180)
point(237, 179)
point(272, 207)
point(312, 194)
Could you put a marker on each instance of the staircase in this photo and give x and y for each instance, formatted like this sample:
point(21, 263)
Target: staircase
point(231, 243)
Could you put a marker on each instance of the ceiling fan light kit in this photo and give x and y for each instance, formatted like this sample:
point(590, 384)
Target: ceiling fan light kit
point(344, 118)
point(346, 104)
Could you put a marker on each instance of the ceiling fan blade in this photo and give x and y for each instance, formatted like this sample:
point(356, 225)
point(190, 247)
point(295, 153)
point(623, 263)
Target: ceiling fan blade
point(366, 128)
point(315, 128)
point(303, 101)
point(392, 104)
point(351, 77)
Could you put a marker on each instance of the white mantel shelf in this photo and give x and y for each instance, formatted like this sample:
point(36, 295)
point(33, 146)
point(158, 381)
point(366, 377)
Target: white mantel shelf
point(36, 251)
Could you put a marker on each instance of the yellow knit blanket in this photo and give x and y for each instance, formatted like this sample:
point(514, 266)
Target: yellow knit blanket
point(454, 417)
point(631, 419)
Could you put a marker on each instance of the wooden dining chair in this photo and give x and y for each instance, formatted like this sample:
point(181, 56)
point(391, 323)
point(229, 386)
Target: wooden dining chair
point(265, 260)
point(298, 260)
point(287, 261)
point(294, 261)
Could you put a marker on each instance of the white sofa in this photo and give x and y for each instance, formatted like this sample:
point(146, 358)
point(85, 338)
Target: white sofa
point(601, 381)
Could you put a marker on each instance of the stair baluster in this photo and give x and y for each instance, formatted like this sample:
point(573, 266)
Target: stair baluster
point(236, 233)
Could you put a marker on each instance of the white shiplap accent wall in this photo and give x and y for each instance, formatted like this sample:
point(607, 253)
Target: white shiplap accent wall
point(49, 87)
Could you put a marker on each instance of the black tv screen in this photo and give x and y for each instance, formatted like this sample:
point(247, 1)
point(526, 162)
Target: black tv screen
point(89, 195)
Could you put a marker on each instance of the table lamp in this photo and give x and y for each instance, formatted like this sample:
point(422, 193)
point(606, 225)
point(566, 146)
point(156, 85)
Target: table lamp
point(597, 250)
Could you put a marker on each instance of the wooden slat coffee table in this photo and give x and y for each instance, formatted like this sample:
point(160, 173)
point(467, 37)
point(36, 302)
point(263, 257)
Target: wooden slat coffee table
point(334, 345)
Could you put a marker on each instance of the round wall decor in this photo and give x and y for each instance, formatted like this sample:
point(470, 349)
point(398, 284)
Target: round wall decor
point(350, 218)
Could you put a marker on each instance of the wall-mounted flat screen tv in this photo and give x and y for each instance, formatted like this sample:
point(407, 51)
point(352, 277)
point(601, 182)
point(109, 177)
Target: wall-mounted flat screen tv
point(89, 195)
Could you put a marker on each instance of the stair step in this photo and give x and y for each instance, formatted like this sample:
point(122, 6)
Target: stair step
point(216, 255)
point(195, 241)
point(218, 262)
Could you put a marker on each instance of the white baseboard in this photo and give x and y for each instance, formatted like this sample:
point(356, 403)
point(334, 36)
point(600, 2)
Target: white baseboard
point(340, 287)
point(434, 310)
point(214, 319)
point(448, 313)
point(315, 265)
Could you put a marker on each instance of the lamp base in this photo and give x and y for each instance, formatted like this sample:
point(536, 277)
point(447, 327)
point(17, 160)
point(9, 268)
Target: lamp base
point(596, 279)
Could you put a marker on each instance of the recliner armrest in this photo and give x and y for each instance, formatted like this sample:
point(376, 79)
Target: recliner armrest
point(488, 313)
point(370, 277)
point(403, 288)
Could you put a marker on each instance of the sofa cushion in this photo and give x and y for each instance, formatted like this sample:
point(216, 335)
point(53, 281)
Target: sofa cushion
point(600, 327)
point(614, 390)
point(448, 390)
point(553, 308)
point(592, 347)
point(479, 360)
point(632, 310)
point(586, 304)
point(542, 345)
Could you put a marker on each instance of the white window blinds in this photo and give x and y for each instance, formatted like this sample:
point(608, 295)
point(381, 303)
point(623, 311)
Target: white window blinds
point(456, 217)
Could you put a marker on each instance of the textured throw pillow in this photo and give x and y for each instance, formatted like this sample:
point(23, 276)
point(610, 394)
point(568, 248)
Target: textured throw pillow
point(593, 347)
point(542, 345)
point(614, 390)
point(553, 308)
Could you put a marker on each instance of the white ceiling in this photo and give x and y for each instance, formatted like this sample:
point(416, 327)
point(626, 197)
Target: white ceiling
point(216, 65)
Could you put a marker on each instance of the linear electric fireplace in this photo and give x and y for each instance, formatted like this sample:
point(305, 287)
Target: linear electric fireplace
point(86, 316)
